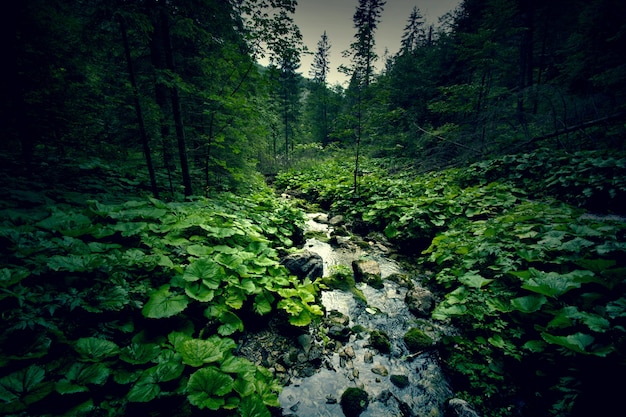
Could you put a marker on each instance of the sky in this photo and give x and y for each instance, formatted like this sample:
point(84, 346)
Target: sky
point(313, 17)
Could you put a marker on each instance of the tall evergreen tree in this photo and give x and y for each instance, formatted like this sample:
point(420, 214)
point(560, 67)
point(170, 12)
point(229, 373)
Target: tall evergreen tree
point(319, 89)
point(366, 19)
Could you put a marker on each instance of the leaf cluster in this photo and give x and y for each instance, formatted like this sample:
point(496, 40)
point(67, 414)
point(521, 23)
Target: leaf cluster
point(107, 307)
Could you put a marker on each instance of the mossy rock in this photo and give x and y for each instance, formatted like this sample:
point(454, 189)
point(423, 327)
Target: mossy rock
point(354, 401)
point(400, 381)
point(379, 340)
point(416, 340)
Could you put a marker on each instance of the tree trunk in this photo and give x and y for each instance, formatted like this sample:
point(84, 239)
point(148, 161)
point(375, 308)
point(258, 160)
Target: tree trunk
point(142, 129)
point(176, 107)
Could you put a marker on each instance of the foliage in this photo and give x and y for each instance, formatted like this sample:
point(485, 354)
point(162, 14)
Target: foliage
point(534, 285)
point(140, 302)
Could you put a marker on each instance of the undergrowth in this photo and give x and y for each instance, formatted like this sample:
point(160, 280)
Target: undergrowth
point(119, 306)
point(527, 254)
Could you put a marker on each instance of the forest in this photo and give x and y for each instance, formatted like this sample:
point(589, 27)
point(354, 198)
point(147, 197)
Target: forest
point(154, 175)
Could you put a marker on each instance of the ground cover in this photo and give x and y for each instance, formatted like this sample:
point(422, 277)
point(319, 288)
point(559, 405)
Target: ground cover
point(116, 305)
point(527, 255)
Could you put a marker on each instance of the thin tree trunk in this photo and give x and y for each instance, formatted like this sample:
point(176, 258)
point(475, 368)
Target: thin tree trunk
point(142, 128)
point(176, 108)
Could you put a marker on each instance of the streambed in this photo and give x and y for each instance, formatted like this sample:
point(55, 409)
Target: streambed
point(398, 383)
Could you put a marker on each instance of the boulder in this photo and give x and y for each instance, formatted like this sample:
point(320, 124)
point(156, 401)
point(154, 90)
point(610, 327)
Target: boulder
point(456, 407)
point(420, 301)
point(367, 271)
point(305, 264)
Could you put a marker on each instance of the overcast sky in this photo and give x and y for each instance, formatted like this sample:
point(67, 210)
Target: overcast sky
point(313, 17)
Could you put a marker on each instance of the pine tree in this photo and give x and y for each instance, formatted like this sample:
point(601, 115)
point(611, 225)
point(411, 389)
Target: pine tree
point(366, 20)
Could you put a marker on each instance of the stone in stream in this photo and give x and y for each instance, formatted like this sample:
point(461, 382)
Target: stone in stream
point(367, 271)
point(457, 407)
point(305, 264)
point(420, 301)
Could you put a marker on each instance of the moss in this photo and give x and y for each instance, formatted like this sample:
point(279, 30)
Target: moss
point(342, 279)
point(380, 340)
point(400, 381)
point(354, 401)
point(416, 340)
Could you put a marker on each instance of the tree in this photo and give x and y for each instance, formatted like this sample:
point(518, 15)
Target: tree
point(319, 89)
point(414, 34)
point(366, 19)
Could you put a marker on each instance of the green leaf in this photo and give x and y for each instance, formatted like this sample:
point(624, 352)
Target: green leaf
point(95, 349)
point(553, 284)
point(577, 342)
point(207, 270)
point(529, 303)
point(263, 303)
point(163, 303)
point(237, 365)
point(146, 388)
point(139, 353)
point(474, 280)
point(231, 323)
point(252, 406)
point(22, 388)
point(207, 386)
point(199, 291)
point(196, 352)
point(80, 375)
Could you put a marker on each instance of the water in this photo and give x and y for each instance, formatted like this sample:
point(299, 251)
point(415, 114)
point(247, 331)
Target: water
point(352, 364)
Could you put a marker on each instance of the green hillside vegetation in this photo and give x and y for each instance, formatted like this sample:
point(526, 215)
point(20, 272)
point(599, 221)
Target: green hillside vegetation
point(144, 151)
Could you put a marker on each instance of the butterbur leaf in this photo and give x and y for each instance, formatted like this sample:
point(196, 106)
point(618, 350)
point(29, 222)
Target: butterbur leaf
point(263, 303)
point(24, 387)
point(199, 292)
point(164, 303)
point(552, 284)
point(231, 323)
point(252, 406)
point(577, 342)
point(207, 270)
point(207, 386)
point(474, 280)
point(94, 349)
point(529, 303)
point(80, 375)
point(237, 365)
point(146, 388)
point(196, 352)
point(138, 353)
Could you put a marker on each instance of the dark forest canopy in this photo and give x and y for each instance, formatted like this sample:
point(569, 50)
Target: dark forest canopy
point(177, 82)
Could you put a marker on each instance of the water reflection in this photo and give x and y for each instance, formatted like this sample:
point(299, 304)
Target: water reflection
point(319, 394)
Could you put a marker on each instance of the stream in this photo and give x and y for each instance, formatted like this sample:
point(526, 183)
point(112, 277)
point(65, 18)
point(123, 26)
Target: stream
point(354, 363)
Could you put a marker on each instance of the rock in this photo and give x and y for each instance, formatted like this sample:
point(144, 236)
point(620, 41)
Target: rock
point(379, 340)
point(354, 401)
point(368, 357)
point(416, 340)
point(336, 220)
point(367, 271)
point(400, 381)
point(380, 370)
point(338, 318)
point(340, 333)
point(456, 407)
point(349, 350)
point(420, 301)
point(305, 264)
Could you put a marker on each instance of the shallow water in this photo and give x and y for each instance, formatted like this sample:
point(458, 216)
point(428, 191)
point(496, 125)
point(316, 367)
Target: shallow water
point(319, 394)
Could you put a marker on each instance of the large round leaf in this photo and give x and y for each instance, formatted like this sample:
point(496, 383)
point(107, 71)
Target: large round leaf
point(207, 387)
